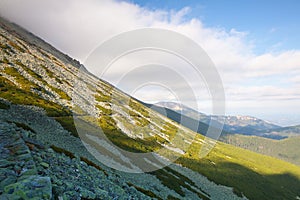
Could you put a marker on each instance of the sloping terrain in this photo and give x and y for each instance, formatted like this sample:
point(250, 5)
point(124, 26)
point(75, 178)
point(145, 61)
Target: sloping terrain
point(189, 122)
point(284, 131)
point(285, 149)
point(245, 125)
point(281, 143)
point(39, 108)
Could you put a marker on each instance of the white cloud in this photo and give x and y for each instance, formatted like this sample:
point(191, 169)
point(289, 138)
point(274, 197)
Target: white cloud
point(77, 27)
point(269, 64)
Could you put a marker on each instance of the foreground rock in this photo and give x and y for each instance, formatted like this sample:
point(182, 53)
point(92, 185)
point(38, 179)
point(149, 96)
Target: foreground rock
point(18, 173)
point(37, 173)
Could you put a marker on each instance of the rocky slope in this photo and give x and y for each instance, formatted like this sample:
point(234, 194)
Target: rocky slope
point(44, 155)
point(36, 89)
point(31, 171)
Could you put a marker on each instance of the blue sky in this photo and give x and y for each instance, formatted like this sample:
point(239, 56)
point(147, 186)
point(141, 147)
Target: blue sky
point(271, 24)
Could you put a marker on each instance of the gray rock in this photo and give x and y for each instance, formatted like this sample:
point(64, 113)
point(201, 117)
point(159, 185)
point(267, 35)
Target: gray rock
point(5, 163)
point(87, 194)
point(69, 186)
point(44, 164)
point(28, 172)
point(101, 194)
point(71, 195)
point(10, 197)
point(34, 187)
point(7, 181)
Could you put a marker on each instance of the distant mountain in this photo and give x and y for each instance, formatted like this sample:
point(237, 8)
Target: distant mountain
point(185, 110)
point(270, 142)
point(44, 156)
point(189, 122)
point(245, 125)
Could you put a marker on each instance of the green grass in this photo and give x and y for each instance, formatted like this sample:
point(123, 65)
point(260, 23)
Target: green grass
point(101, 97)
point(51, 74)
point(286, 149)
point(139, 119)
point(109, 127)
point(176, 181)
point(48, 72)
point(16, 46)
point(61, 93)
point(5, 61)
point(7, 49)
point(24, 83)
point(120, 139)
point(67, 123)
point(139, 108)
point(169, 129)
point(253, 175)
point(29, 71)
point(105, 111)
point(24, 96)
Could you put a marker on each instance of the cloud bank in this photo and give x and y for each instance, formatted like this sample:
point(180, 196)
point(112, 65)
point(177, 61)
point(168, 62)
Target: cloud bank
point(255, 84)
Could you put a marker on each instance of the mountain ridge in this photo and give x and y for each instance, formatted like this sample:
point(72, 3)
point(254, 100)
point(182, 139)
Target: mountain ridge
point(280, 142)
point(30, 38)
point(247, 125)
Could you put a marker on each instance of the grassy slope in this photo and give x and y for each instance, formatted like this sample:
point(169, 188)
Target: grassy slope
point(186, 121)
point(17, 95)
point(286, 149)
point(254, 175)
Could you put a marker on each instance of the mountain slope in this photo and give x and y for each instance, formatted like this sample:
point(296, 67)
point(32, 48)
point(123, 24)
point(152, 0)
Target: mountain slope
point(245, 125)
point(36, 90)
point(284, 131)
point(37, 101)
point(286, 149)
point(189, 122)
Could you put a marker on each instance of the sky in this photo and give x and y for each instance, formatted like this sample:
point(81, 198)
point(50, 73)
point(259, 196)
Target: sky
point(272, 24)
point(254, 45)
